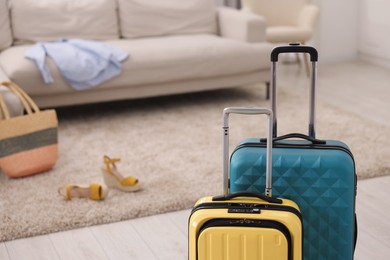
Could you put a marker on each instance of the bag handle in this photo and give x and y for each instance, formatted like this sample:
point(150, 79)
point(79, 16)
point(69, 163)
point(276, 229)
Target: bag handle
point(225, 142)
point(4, 112)
point(28, 104)
point(24, 102)
point(251, 194)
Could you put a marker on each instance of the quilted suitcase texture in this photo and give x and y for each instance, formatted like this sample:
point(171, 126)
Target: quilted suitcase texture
point(245, 225)
point(319, 175)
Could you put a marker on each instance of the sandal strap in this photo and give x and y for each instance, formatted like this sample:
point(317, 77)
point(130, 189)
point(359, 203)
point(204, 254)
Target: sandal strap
point(129, 181)
point(95, 191)
point(108, 161)
point(68, 190)
point(65, 192)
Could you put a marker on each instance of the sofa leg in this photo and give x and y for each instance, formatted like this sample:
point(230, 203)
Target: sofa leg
point(267, 90)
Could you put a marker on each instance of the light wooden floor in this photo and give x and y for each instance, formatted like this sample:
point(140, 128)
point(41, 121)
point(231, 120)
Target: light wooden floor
point(355, 86)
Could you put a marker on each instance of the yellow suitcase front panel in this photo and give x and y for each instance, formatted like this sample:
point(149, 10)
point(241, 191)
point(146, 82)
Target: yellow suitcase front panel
point(242, 243)
point(204, 214)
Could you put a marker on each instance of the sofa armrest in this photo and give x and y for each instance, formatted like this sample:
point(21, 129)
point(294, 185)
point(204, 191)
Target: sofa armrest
point(241, 25)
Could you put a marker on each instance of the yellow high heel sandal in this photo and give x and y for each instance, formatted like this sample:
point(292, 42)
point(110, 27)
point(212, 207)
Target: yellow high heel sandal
point(94, 191)
point(114, 179)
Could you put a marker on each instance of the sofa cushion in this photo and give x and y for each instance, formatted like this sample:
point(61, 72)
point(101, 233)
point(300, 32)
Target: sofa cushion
point(152, 60)
point(5, 29)
point(47, 20)
point(140, 18)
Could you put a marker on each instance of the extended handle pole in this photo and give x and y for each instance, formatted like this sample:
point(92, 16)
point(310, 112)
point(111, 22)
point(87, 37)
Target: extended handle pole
point(225, 142)
point(294, 48)
point(313, 99)
point(312, 103)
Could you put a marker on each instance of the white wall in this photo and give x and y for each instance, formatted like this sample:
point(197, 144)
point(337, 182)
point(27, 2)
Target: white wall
point(374, 36)
point(337, 32)
point(349, 29)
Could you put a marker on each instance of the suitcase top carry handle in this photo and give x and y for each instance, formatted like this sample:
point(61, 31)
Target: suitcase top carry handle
point(225, 142)
point(250, 194)
point(295, 135)
point(294, 48)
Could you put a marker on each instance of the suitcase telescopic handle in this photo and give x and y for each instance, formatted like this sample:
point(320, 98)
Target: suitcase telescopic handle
point(251, 194)
point(295, 48)
point(225, 142)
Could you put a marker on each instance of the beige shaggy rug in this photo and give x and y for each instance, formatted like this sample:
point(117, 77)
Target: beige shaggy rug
point(173, 145)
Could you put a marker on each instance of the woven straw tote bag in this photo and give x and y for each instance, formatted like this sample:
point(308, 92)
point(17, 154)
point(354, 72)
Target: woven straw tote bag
point(28, 143)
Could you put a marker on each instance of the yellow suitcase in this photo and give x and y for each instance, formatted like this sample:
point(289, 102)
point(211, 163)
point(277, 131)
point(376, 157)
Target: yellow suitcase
point(245, 225)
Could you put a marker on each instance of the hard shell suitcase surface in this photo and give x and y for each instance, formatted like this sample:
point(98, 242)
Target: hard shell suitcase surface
point(245, 225)
point(319, 175)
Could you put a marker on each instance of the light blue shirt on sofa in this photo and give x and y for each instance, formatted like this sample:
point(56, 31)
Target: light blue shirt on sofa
point(84, 64)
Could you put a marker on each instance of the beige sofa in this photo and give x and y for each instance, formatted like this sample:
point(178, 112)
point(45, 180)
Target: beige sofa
point(174, 46)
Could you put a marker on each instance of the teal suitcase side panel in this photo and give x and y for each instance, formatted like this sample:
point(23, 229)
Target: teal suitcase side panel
point(321, 181)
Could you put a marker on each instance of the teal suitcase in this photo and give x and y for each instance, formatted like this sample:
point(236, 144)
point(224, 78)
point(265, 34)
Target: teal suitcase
point(319, 175)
